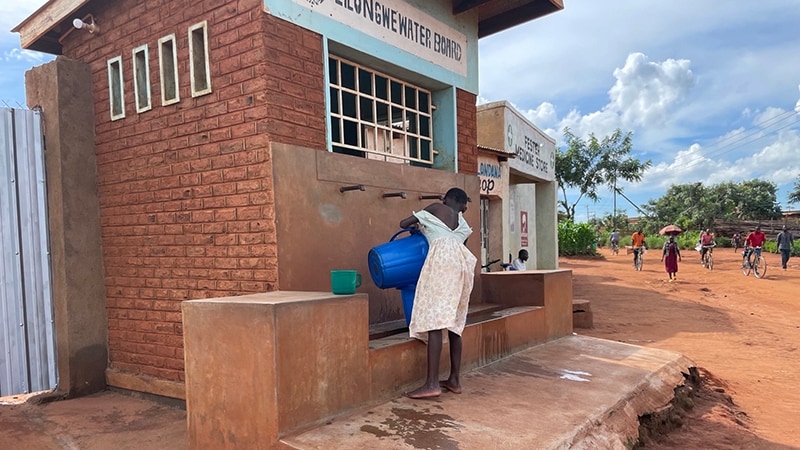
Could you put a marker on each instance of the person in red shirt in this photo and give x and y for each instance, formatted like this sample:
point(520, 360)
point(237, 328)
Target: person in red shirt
point(755, 240)
point(706, 243)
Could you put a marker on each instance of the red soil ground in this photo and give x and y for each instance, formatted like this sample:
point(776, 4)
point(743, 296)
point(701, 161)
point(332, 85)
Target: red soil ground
point(743, 333)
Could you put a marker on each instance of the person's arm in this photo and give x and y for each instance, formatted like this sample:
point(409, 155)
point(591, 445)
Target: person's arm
point(409, 221)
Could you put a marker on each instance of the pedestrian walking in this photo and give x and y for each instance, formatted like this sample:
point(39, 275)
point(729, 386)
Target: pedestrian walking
point(670, 255)
point(785, 240)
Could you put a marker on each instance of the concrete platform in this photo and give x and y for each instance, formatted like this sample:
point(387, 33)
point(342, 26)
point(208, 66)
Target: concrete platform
point(576, 392)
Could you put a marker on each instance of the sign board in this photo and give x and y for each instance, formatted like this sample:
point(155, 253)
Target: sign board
point(523, 228)
point(493, 176)
point(536, 152)
point(399, 24)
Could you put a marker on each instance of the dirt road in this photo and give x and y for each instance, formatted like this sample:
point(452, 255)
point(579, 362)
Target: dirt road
point(744, 332)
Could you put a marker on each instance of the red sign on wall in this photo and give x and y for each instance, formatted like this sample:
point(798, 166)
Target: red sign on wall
point(523, 228)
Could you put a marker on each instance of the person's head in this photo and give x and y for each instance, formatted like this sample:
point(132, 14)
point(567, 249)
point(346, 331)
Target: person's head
point(707, 231)
point(758, 229)
point(672, 238)
point(783, 227)
point(457, 199)
point(523, 255)
point(639, 230)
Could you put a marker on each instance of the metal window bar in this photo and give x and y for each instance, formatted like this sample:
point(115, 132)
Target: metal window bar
point(357, 115)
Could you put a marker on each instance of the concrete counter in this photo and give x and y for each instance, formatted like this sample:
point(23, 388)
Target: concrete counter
point(263, 365)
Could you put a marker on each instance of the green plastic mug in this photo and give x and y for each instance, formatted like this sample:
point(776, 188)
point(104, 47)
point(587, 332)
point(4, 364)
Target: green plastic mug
point(345, 282)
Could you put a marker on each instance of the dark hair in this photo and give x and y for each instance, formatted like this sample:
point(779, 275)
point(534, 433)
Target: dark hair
point(457, 195)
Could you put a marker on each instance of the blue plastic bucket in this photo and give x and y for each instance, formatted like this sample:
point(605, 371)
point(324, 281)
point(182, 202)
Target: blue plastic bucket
point(408, 293)
point(397, 263)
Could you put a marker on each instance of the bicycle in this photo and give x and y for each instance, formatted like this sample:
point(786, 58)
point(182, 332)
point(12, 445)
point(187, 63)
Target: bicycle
point(639, 261)
point(758, 266)
point(708, 259)
point(615, 248)
point(488, 266)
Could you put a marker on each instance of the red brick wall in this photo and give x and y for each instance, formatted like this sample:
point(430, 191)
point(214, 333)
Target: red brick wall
point(467, 123)
point(185, 190)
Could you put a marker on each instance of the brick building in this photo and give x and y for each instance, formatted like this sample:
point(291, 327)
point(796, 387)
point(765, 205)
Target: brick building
point(219, 135)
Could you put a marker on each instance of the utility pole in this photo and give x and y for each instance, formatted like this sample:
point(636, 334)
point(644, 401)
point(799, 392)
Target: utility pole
point(614, 211)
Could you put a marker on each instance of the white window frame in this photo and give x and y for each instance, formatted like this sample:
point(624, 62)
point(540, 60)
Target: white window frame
point(383, 141)
point(162, 62)
point(197, 88)
point(121, 83)
point(137, 88)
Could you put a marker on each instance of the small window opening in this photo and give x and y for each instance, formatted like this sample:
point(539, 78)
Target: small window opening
point(198, 59)
point(141, 78)
point(115, 86)
point(168, 66)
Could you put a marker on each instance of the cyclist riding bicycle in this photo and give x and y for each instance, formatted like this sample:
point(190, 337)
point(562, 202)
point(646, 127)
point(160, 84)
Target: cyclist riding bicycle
point(706, 243)
point(638, 244)
point(614, 239)
point(754, 241)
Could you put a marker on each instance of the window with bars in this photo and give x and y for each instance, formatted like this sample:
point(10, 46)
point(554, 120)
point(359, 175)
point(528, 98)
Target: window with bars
point(376, 116)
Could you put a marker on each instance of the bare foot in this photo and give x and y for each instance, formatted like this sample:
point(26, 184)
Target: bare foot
point(424, 392)
point(454, 388)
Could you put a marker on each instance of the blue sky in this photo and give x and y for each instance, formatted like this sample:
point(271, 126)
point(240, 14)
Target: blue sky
point(709, 89)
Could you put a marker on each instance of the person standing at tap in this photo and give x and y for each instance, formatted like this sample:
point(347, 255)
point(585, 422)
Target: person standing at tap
point(445, 284)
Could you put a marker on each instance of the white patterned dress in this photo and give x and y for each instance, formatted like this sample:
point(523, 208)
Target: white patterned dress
point(445, 283)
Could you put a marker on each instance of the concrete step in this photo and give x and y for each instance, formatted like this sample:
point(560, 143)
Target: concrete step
point(575, 392)
point(582, 316)
point(477, 312)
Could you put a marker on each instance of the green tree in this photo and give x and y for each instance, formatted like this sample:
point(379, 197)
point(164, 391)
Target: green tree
point(611, 221)
point(694, 206)
point(588, 165)
point(794, 196)
point(759, 200)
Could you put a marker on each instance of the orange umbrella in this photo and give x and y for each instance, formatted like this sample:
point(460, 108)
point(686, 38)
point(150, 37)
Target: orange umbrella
point(671, 230)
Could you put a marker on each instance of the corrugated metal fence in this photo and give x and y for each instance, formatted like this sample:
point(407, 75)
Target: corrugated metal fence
point(27, 335)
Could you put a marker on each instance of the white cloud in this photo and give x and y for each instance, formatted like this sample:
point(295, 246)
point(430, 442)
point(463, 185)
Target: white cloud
point(601, 123)
point(769, 116)
point(777, 162)
point(645, 91)
point(13, 12)
point(16, 54)
point(797, 105)
point(708, 92)
point(543, 116)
